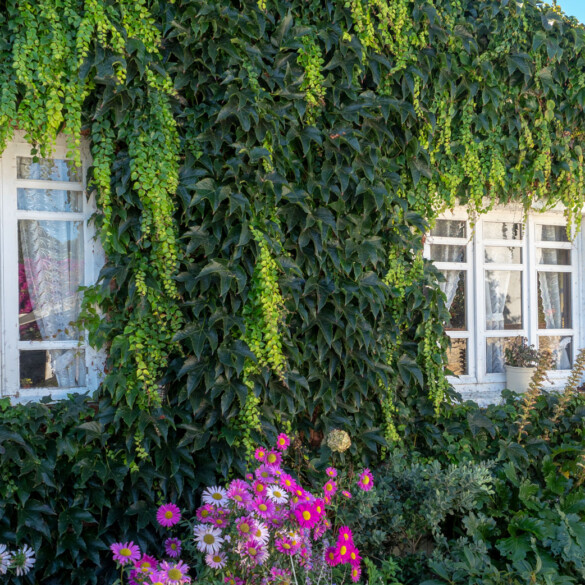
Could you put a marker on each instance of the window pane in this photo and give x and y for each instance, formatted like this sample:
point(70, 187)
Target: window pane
point(457, 357)
point(47, 169)
point(494, 354)
point(503, 255)
point(503, 299)
point(449, 228)
point(498, 230)
point(55, 368)
point(454, 289)
point(49, 200)
point(551, 233)
point(554, 300)
point(561, 348)
point(553, 256)
point(442, 253)
point(50, 271)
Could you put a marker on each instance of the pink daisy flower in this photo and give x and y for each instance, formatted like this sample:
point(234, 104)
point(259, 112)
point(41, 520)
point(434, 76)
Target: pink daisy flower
point(253, 549)
point(125, 552)
point(354, 557)
point(205, 513)
point(330, 488)
point(331, 472)
point(331, 556)
point(249, 476)
point(319, 531)
point(173, 547)
point(217, 560)
point(239, 496)
point(288, 482)
point(175, 573)
point(246, 526)
point(220, 521)
point(273, 458)
point(282, 442)
point(146, 564)
point(306, 515)
point(343, 551)
point(168, 515)
point(346, 494)
point(345, 536)
point(366, 481)
point(263, 507)
point(260, 454)
point(287, 546)
point(355, 574)
point(265, 473)
point(319, 507)
point(259, 488)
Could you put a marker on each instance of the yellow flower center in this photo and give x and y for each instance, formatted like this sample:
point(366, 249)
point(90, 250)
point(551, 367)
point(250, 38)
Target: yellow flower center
point(125, 552)
point(145, 565)
point(219, 521)
point(209, 538)
point(331, 555)
point(346, 536)
point(205, 513)
point(168, 514)
point(175, 575)
point(262, 507)
point(353, 556)
point(238, 498)
point(259, 488)
point(277, 494)
point(343, 550)
point(245, 527)
point(328, 487)
point(217, 559)
point(253, 552)
point(286, 545)
point(174, 546)
point(366, 480)
point(216, 496)
point(271, 458)
point(307, 515)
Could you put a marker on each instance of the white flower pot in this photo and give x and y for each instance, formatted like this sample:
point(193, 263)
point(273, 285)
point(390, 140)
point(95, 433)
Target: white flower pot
point(518, 379)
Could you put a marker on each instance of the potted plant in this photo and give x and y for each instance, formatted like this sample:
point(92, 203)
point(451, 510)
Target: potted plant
point(521, 360)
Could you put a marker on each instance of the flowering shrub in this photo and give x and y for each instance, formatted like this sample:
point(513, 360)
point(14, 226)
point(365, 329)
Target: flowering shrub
point(264, 530)
point(19, 561)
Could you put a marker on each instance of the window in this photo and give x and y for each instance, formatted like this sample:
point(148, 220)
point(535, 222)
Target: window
point(509, 277)
point(46, 253)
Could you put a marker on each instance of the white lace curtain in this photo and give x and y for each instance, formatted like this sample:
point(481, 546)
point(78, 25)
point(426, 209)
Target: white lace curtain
point(52, 253)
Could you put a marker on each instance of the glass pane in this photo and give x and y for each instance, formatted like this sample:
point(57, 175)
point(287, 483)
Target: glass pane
point(454, 289)
point(457, 357)
point(551, 233)
point(500, 230)
point(552, 256)
point(503, 255)
point(54, 368)
point(47, 169)
point(494, 354)
point(503, 299)
point(50, 272)
point(442, 253)
point(554, 300)
point(561, 349)
point(49, 200)
point(449, 228)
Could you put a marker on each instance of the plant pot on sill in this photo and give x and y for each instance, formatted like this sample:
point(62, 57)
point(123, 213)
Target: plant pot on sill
point(518, 379)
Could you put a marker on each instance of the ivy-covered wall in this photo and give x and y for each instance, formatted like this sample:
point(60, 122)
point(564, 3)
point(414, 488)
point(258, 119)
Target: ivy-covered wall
point(266, 172)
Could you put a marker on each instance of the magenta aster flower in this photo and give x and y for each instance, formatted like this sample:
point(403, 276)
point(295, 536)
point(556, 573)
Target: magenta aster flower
point(175, 573)
point(253, 549)
point(263, 507)
point(282, 442)
point(306, 515)
point(287, 546)
point(216, 561)
point(331, 556)
point(331, 472)
point(249, 476)
point(239, 496)
point(356, 573)
point(260, 454)
point(319, 507)
point(168, 515)
point(319, 531)
point(343, 552)
point(330, 488)
point(259, 488)
point(273, 458)
point(173, 547)
point(265, 473)
point(246, 525)
point(288, 482)
point(346, 494)
point(205, 513)
point(345, 535)
point(366, 481)
point(354, 557)
point(125, 552)
point(146, 564)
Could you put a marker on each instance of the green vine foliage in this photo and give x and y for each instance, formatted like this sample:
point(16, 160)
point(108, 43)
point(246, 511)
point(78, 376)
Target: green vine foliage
point(350, 125)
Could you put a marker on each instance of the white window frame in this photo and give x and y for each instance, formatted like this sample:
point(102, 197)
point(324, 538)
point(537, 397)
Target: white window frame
point(10, 342)
point(477, 384)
